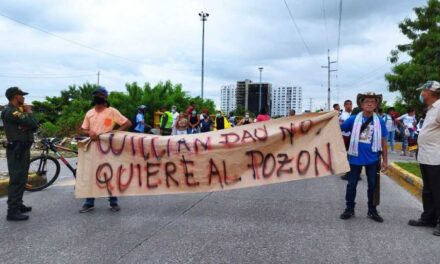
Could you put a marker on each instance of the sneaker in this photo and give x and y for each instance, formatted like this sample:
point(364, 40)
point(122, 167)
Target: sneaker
point(86, 208)
point(115, 208)
point(374, 215)
point(348, 213)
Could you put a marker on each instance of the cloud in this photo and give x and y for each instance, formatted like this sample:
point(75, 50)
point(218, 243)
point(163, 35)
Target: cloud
point(150, 41)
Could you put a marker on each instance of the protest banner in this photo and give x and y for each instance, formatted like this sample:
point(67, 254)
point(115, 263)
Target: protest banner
point(280, 150)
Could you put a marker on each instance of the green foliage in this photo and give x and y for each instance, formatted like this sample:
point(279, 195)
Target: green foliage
point(424, 50)
point(412, 167)
point(400, 106)
point(240, 111)
point(63, 115)
point(48, 129)
point(163, 94)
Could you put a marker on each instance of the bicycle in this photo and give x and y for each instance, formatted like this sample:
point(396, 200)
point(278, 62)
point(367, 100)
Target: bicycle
point(45, 169)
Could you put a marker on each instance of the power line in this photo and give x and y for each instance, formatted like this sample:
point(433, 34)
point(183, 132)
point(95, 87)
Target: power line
point(365, 76)
point(44, 77)
point(44, 73)
point(299, 33)
point(75, 42)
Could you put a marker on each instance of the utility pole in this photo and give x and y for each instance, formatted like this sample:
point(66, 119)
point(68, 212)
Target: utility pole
point(329, 70)
point(203, 17)
point(259, 105)
point(310, 103)
point(98, 77)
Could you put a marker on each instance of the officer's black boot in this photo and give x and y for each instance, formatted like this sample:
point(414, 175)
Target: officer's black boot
point(16, 215)
point(25, 209)
point(437, 230)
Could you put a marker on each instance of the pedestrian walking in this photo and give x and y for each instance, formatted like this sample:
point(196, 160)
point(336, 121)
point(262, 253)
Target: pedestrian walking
point(407, 124)
point(336, 107)
point(182, 125)
point(390, 123)
point(205, 123)
point(221, 122)
point(428, 157)
point(140, 119)
point(246, 120)
point(263, 116)
point(193, 123)
point(367, 142)
point(99, 120)
point(175, 115)
point(190, 109)
point(20, 125)
point(232, 118)
point(166, 122)
point(348, 108)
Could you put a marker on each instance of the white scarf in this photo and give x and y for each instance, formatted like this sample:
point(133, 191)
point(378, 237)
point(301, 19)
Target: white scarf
point(356, 131)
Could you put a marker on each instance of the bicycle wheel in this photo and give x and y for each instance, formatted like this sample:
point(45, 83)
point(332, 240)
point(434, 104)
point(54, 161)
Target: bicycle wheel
point(43, 171)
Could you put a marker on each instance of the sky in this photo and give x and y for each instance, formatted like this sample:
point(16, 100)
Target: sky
point(48, 45)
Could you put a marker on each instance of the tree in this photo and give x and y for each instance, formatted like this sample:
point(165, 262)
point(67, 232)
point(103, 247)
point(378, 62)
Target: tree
point(62, 115)
point(424, 51)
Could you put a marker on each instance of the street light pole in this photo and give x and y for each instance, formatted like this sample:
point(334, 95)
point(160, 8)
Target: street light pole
point(203, 17)
point(259, 105)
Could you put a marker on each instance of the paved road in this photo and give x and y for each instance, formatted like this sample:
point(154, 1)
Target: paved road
point(295, 222)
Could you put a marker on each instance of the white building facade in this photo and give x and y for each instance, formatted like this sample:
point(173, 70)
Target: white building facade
point(228, 100)
point(286, 98)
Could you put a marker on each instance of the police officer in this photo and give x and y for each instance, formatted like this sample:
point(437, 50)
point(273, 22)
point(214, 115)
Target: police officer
point(19, 124)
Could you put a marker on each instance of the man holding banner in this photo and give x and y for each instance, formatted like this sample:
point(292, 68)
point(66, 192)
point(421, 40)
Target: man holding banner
point(367, 142)
point(99, 120)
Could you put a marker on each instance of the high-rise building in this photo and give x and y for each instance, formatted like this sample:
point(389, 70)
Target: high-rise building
point(228, 100)
point(253, 102)
point(286, 98)
point(242, 93)
point(248, 96)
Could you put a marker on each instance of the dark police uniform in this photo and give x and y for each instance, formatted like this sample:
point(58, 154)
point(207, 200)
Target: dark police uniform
point(19, 128)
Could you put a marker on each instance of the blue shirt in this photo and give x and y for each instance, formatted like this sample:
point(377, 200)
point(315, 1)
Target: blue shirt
point(366, 156)
point(139, 127)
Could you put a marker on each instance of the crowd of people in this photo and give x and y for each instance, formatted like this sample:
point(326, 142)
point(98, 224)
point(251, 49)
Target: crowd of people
point(366, 131)
point(403, 127)
point(191, 121)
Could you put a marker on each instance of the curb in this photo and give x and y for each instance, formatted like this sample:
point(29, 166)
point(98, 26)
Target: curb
point(397, 146)
point(4, 186)
point(407, 180)
point(5, 182)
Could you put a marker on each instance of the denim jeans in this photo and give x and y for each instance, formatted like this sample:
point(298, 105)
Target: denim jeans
point(353, 178)
point(91, 201)
point(405, 139)
point(193, 130)
point(391, 138)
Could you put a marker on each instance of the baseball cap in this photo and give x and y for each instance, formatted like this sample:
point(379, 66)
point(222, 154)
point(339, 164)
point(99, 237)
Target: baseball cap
point(430, 85)
point(101, 90)
point(12, 91)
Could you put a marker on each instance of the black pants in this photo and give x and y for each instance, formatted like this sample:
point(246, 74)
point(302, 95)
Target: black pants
point(431, 192)
point(18, 167)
